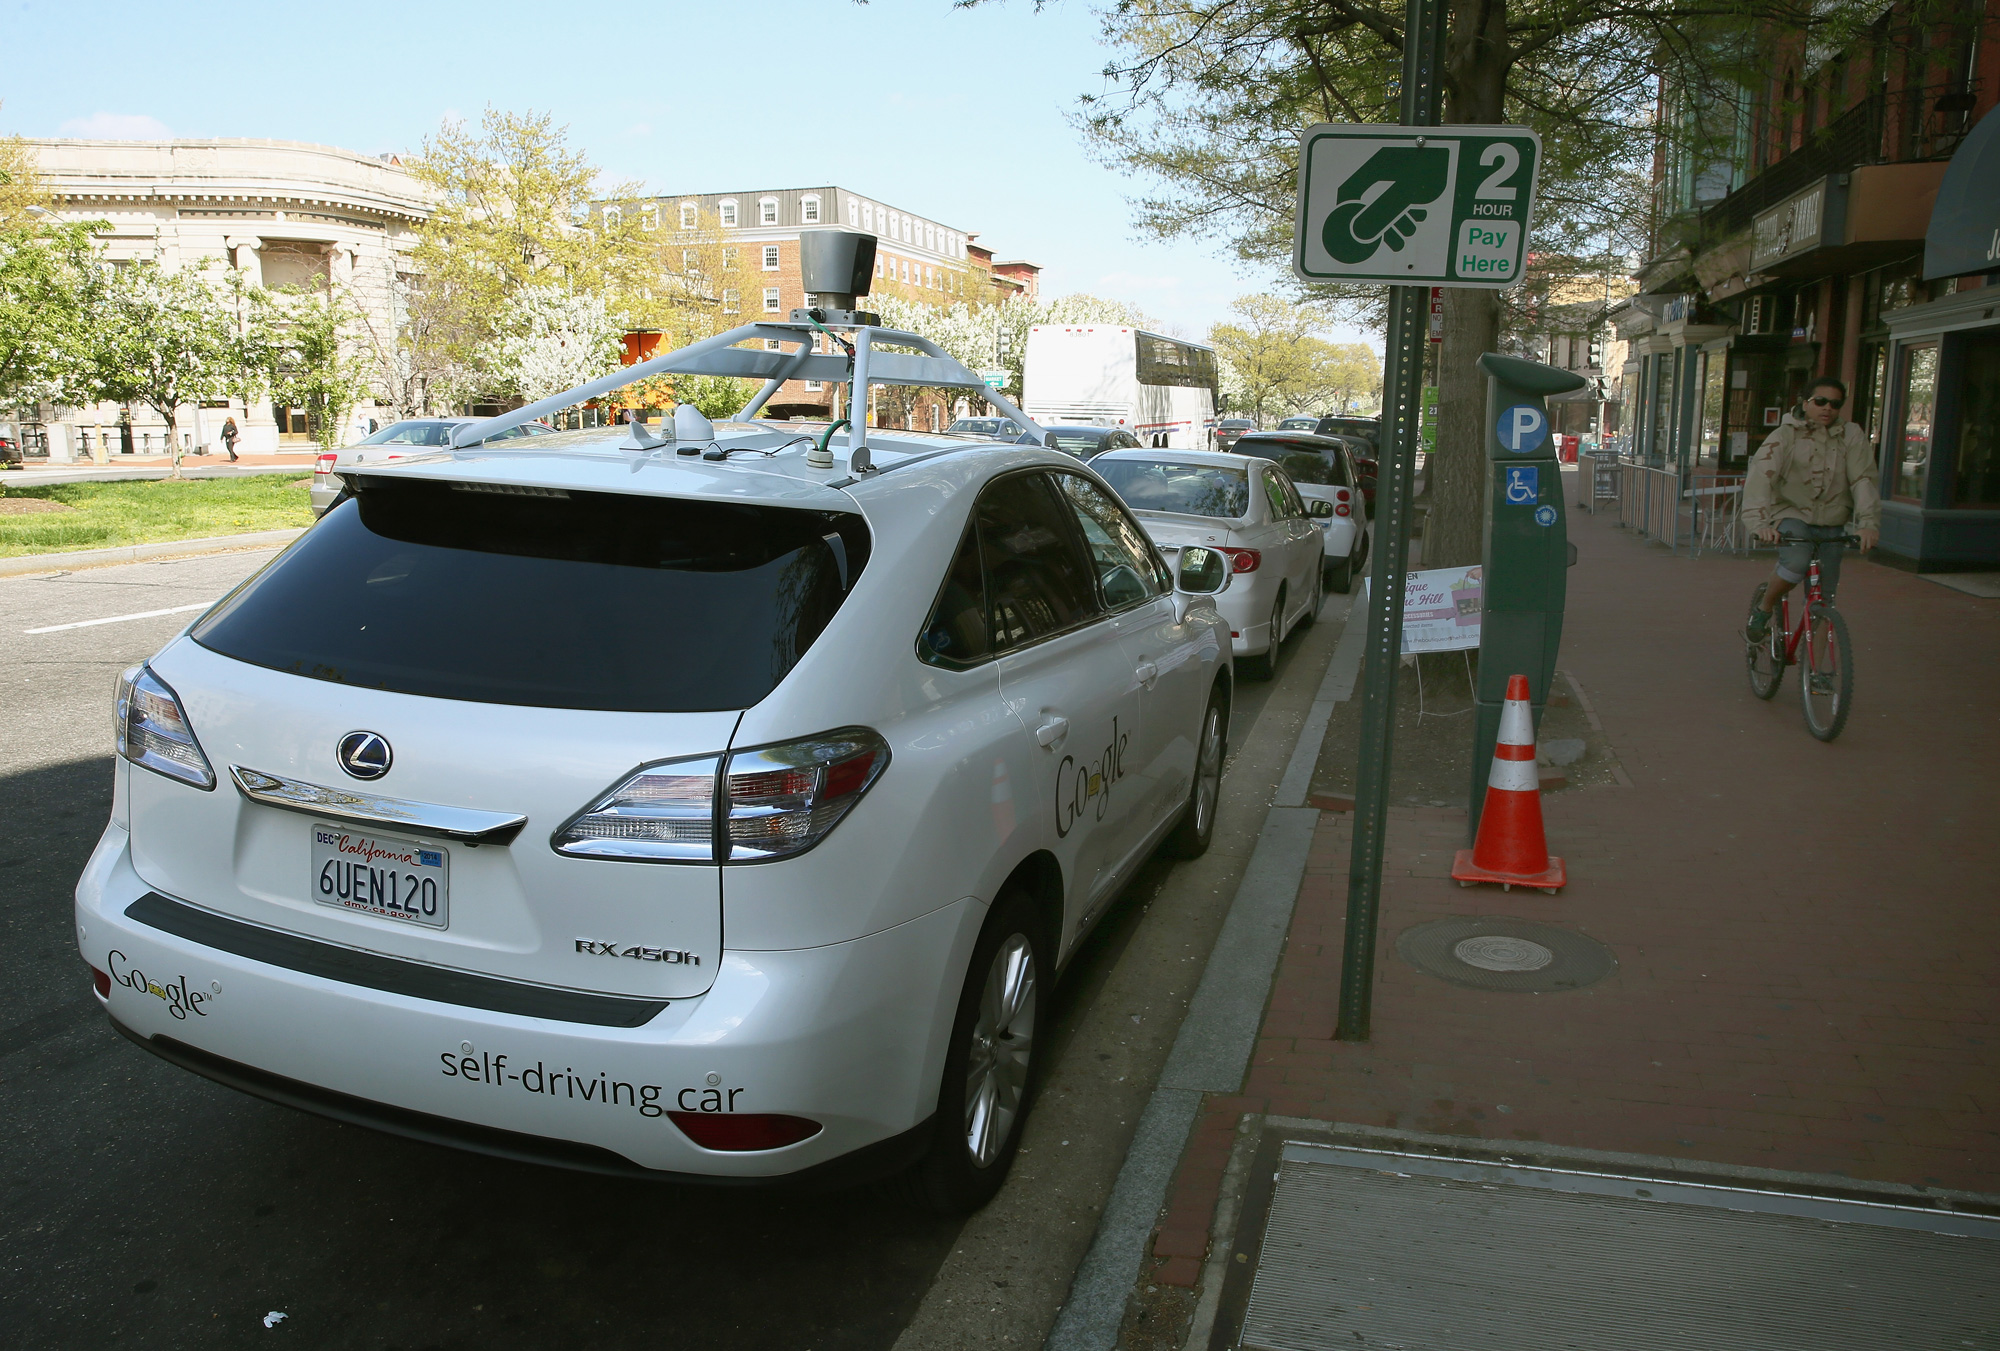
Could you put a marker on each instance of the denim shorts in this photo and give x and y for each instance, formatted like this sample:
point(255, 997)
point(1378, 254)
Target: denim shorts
point(1798, 542)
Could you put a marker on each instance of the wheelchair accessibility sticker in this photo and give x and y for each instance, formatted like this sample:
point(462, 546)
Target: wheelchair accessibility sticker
point(1545, 515)
point(1524, 484)
point(1522, 428)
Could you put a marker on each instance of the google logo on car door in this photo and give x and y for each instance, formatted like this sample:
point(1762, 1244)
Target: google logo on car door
point(1522, 428)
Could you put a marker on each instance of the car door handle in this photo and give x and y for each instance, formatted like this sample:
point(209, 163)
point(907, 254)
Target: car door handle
point(1052, 731)
point(1147, 673)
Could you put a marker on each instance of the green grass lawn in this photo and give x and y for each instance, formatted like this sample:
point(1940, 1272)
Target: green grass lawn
point(148, 511)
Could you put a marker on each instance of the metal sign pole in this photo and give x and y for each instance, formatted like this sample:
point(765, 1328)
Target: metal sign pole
point(1402, 396)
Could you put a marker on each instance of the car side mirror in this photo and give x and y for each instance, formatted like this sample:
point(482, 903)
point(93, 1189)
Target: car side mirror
point(1320, 507)
point(1201, 571)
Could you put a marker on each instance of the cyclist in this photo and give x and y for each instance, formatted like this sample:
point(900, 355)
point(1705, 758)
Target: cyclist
point(1808, 482)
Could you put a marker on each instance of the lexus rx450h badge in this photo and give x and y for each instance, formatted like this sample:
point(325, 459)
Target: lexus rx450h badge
point(364, 755)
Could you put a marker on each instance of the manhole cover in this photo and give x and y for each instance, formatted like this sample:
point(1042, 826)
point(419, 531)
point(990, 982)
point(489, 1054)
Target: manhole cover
point(1492, 952)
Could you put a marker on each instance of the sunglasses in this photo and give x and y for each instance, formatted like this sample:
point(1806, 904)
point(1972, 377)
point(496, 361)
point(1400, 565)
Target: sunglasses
point(1825, 402)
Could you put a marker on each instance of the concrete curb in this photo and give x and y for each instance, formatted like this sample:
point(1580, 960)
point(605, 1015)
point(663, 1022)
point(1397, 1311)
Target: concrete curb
point(133, 553)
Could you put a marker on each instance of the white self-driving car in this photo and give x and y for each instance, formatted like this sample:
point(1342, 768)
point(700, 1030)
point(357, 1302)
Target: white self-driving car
point(1247, 507)
point(674, 809)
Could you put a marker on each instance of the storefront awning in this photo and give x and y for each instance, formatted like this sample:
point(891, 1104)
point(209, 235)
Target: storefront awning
point(1965, 225)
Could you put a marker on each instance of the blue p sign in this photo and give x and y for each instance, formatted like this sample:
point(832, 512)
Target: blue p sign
point(1522, 428)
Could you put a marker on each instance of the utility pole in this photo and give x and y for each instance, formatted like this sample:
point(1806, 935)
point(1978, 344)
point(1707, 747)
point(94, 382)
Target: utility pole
point(1402, 397)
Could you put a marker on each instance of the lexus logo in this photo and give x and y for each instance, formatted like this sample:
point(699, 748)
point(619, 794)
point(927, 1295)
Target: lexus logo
point(365, 755)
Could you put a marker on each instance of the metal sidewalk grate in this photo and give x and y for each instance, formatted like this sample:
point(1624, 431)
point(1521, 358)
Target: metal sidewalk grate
point(1368, 1248)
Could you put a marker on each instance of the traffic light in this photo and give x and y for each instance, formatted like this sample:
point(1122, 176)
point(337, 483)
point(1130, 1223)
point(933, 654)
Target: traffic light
point(1595, 360)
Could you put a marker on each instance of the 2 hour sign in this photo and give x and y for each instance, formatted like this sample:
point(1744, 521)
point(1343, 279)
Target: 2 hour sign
point(1433, 206)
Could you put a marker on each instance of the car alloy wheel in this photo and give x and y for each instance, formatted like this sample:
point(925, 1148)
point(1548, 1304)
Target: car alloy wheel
point(1001, 1048)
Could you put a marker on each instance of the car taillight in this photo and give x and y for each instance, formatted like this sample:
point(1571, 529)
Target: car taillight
point(1243, 560)
point(100, 981)
point(152, 729)
point(771, 802)
point(324, 464)
point(739, 1131)
point(1341, 508)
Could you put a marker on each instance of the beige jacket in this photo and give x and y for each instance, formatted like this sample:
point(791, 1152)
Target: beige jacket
point(1819, 475)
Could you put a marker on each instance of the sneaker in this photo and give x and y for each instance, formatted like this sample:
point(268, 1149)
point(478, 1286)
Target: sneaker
point(1759, 626)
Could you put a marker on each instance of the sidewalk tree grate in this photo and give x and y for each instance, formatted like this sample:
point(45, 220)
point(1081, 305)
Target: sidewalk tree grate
point(1365, 1247)
point(1492, 952)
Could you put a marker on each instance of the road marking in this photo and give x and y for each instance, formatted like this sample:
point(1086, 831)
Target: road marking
point(120, 619)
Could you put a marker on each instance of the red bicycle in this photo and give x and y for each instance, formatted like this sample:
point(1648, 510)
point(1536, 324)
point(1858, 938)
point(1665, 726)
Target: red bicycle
point(1819, 644)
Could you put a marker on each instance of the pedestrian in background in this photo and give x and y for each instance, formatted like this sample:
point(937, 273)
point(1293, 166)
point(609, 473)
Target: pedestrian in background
point(229, 434)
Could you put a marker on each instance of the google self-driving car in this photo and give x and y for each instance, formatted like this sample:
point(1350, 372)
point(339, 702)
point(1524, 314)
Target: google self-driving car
point(715, 802)
point(1247, 507)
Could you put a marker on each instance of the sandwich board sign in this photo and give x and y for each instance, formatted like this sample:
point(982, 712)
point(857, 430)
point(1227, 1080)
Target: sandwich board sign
point(1415, 206)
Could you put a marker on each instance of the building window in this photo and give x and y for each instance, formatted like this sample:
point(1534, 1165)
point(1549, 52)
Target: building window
point(1916, 408)
point(906, 270)
point(809, 209)
point(814, 386)
point(732, 301)
point(770, 300)
point(649, 216)
point(689, 262)
point(728, 257)
point(1975, 480)
point(878, 268)
point(853, 212)
point(767, 211)
point(612, 217)
point(770, 257)
point(728, 212)
point(688, 214)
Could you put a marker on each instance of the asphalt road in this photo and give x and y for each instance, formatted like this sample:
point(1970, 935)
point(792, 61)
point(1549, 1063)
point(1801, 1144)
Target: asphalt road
point(146, 1206)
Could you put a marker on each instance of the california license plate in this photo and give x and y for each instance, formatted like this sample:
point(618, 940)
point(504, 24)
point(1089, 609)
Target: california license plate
point(381, 875)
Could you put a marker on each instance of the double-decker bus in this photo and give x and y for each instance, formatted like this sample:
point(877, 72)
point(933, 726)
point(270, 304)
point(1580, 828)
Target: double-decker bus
point(1160, 389)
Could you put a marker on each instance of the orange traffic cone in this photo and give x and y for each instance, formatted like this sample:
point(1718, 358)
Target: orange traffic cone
point(1511, 848)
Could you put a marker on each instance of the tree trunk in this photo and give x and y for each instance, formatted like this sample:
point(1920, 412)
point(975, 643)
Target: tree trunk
point(1456, 478)
point(173, 440)
point(1476, 63)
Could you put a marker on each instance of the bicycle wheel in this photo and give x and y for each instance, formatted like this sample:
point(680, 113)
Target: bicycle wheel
point(1765, 660)
point(1826, 672)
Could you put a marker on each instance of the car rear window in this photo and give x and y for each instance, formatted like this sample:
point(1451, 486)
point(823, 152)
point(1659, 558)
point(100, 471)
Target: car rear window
point(1185, 489)
point(525, 596)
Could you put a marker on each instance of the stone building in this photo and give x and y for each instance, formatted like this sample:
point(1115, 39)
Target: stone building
point(283, 213)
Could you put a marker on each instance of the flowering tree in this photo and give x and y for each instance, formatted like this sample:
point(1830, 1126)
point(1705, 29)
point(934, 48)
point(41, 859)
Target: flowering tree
point(302, 342)
point(551, 339)
point(163, 339)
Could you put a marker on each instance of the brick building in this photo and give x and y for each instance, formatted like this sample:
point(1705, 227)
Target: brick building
point(916, 259)
point(1796, 248)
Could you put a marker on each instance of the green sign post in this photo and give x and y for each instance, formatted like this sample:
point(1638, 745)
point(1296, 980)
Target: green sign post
point(1431, 206)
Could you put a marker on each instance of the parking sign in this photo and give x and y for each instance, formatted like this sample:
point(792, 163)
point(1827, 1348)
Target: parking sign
point(1524, 484)
point(1522, 428)
point(1440, 206)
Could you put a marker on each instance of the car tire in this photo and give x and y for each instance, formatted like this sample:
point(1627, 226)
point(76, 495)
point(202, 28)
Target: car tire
point(1191, 836)
point(1340, 576)
point(990, 1063)
point(1264, 665)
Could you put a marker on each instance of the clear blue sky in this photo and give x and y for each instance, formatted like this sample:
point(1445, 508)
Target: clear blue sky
point(709, 96)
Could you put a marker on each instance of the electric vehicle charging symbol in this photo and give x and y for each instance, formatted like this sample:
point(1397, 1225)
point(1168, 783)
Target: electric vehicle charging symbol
point(1411, 176)
point(1522, 428)
point(1524, 484)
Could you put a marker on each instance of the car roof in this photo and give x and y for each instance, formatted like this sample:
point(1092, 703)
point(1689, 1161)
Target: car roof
point(766, 464)
point(1303, 440)
point(1081, 427)
point(1220, 459)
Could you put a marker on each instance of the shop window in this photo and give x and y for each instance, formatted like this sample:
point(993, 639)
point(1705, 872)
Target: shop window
point(1916, 408)
point(1976, 472)
point(1871, 375)
point(1711, 408)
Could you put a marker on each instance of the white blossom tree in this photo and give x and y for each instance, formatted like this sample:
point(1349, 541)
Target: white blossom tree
point(551, 339)
point(164, 339)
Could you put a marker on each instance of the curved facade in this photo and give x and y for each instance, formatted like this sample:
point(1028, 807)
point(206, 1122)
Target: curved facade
point(280, 212)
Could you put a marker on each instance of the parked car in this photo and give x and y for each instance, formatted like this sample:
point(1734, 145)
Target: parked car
point(1322, 469)
point(662, 816)
point(1088, 442)
point(1298, 424)
point(1368, 429)
point(1227, 430)
point(411, 436)
point(10, 452)
point(1247, 507)
point(992, 428)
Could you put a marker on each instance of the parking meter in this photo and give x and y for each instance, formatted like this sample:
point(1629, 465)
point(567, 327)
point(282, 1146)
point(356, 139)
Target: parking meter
point(1524, 578)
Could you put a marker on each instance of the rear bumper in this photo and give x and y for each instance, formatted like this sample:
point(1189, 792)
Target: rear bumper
point(850, 1035)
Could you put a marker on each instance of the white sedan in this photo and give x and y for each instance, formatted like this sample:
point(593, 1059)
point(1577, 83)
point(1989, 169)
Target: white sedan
point(1247, 507)
point(1322, 469)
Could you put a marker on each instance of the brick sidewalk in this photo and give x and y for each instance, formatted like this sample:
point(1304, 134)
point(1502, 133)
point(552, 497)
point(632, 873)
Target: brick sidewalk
point(1807, 935)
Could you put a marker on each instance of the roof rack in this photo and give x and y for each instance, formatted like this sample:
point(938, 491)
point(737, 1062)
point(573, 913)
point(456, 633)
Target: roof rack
point(863, 364)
